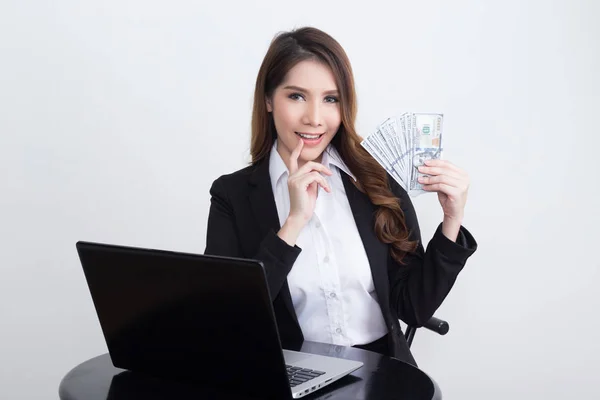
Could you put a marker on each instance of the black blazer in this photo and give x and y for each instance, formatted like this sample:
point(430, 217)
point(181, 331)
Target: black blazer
point(243, 222)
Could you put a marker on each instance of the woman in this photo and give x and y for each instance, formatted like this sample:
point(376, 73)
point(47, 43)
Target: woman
point(338, 237)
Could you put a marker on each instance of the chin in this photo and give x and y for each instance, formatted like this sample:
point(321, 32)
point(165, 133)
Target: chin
point(311, 155)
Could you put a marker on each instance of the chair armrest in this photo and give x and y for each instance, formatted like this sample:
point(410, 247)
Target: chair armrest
point(437, 325)
point(434, 324)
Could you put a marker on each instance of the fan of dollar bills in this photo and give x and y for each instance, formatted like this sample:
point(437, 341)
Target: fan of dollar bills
point(401, 144)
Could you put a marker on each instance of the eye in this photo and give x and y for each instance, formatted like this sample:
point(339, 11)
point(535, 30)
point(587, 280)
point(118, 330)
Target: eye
point(331, 99)
point(296, 96)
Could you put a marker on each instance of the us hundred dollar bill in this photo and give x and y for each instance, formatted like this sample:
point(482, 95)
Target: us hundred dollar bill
point(426, 145)
point(402, 143)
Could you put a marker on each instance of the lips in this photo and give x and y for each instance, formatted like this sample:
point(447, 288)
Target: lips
point(309, 136)
point(311, 140)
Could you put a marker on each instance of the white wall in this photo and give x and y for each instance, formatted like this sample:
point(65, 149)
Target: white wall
point(116, 116)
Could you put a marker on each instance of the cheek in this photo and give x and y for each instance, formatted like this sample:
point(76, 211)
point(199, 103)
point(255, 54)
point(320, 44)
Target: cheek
point(286, 117)
point(334, 119)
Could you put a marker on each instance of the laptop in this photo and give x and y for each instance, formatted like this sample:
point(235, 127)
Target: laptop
point(200, 318)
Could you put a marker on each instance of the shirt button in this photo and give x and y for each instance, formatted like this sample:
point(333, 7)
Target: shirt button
point(332, 295)
point(339, 330)
point(318, 224)
point(326, 259)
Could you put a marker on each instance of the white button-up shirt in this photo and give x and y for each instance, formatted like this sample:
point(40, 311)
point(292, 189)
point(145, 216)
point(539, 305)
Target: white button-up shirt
point(330, 283)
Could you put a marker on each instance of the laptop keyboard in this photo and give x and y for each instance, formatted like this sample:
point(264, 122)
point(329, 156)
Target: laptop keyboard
point(298, 376)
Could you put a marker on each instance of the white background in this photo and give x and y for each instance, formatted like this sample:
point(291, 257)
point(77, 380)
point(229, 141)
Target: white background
point(116, 116)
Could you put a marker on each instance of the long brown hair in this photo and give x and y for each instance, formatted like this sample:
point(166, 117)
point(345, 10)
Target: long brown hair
point(288, 49)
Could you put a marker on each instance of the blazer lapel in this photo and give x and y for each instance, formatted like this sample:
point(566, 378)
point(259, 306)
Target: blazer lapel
point(377, 252)
point(264, 207)
point(262, 200)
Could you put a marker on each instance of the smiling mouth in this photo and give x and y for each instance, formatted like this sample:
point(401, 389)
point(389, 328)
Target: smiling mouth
point(309, 135)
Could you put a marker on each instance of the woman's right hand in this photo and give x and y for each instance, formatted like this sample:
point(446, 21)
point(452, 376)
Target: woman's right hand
point(303, 184)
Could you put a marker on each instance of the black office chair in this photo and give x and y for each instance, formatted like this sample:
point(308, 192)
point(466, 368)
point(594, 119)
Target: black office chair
point(434, 324)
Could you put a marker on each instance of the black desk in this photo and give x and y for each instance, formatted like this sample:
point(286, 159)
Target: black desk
point(380, 378)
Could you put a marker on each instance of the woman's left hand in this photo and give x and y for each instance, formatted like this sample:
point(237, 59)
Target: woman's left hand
point(451, 184)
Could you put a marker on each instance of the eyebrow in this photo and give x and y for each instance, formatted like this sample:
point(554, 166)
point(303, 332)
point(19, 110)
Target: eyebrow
point(298, 88)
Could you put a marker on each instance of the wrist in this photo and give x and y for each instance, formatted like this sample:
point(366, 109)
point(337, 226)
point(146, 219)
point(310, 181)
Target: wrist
point(454, 219)
point(291, 229)
point(295, 221)
point(451, 227)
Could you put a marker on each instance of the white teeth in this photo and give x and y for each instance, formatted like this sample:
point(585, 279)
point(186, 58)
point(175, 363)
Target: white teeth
point(309, 136)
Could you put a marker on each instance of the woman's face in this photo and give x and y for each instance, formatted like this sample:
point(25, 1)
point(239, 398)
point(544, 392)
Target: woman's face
point(305, 107)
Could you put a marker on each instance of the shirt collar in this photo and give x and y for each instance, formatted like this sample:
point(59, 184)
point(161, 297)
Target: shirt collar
point(277, 167)
point(332, 157)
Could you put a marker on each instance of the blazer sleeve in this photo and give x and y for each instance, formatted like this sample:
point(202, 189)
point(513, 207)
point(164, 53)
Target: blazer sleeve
point(224, 239)
point(422, 282)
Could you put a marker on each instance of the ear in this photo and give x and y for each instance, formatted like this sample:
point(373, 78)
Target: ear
point(269, 105)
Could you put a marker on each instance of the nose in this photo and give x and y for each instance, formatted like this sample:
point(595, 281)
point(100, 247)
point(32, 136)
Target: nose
point(312, 114)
